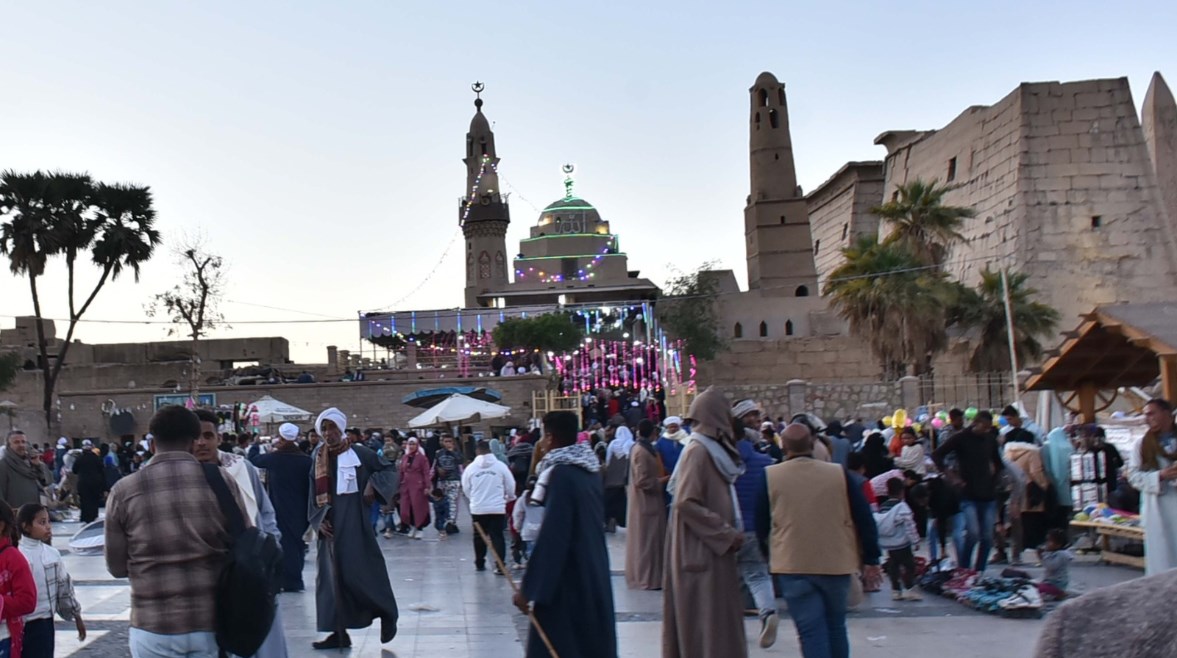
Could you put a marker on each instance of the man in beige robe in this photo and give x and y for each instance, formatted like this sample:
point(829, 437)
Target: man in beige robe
point(702, 606)
point(645, 531)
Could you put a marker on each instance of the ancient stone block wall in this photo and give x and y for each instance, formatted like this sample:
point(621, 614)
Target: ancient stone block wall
point(981, 148)
point(839, 212)
point(1094, 231)
point(1059, 177)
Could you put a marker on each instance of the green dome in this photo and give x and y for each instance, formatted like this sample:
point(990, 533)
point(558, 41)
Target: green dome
point(570, 204)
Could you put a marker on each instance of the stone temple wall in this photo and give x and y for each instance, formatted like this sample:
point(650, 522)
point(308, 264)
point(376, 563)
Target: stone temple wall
point(1060, 179)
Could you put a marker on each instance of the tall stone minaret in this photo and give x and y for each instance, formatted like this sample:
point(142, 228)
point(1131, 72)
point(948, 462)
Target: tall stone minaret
point(776, 220)
point(483, 212)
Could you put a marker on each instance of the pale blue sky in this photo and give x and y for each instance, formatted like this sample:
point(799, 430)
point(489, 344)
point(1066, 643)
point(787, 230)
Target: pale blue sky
point(317, 145)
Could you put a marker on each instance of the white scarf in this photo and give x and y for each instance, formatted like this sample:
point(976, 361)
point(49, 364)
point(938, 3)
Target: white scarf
point(728, 468)
point(236, 466)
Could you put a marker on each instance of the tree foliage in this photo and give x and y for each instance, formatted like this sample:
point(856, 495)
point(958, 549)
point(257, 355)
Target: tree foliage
point(921, 222)
point(893, 302)
point(193, 305)
point(55, 214)
point(982, 309)
point(553, 332)
point(689, 310)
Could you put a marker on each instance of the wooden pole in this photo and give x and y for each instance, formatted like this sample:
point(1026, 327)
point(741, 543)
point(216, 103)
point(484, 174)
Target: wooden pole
point(1169, 377)
point(507, 574)
point(1087, 402)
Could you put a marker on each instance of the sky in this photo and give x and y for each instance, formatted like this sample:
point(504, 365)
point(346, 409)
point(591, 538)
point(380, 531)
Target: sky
point(317, 146)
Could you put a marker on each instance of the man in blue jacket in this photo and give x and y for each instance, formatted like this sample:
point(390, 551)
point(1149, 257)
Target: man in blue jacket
point(749, 487)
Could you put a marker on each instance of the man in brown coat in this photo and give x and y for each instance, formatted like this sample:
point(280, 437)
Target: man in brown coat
point(819, 529)
point(645, 533)
point(702, 606)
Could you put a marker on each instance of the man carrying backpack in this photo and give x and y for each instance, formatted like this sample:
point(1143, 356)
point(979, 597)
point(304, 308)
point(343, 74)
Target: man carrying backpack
point(166, 533)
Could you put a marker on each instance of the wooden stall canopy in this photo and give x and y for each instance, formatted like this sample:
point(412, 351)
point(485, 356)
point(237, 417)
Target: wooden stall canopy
point(1117, 345)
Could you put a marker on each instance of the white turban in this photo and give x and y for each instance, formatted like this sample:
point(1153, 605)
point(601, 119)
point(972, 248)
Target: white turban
point(673, 420)
point(288, 431)
point(334, 415)
point(63, 442)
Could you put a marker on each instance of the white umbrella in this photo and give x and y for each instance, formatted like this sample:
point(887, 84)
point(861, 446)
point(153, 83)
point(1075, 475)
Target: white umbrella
point(276, 411)
point(459, 408)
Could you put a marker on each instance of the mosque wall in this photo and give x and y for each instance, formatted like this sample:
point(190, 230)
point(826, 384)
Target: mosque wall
point(773, 362)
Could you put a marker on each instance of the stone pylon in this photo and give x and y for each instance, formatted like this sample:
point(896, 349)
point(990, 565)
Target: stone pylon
point(1158, 119)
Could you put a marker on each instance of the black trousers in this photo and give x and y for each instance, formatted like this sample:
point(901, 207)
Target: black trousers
point(901, 564)
point(493, 525)
point(38, 639)
point(89, 496)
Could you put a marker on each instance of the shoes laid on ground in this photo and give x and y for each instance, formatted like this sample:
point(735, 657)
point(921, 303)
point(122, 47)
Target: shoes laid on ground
point(768, 628)
point(387, 533)
point(911, 595)
point(333, 641)
point(498, 571)
point(896, 595)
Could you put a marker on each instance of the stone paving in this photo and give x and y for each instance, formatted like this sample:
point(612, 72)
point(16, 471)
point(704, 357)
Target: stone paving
point(448, 609)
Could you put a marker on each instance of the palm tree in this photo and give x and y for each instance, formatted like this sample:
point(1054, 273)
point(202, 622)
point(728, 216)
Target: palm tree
point(62, 214)
point(892, 300)
point(920, 220)
point(983, 309)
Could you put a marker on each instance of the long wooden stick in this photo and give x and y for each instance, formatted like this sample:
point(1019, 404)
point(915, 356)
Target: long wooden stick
point(503, 567)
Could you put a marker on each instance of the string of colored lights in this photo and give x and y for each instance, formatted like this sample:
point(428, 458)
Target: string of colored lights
point(583, 274)
point(470, 199)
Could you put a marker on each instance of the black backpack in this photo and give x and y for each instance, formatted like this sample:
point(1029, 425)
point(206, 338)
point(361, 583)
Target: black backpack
point(247, 587)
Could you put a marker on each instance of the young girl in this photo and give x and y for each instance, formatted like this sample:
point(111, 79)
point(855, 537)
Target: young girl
point(18, 594)
point(55, 590)
point(527, 517)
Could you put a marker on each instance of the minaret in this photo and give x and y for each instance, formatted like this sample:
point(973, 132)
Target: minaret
point(1158, 119)
point(776, 220)
point(483, 212)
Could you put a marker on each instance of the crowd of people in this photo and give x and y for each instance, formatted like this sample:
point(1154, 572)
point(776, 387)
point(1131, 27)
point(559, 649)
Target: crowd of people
point(724, 510)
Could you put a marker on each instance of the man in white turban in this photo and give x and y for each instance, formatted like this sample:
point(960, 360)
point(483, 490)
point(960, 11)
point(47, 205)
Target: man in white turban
point(352, 588)
point(288, 471)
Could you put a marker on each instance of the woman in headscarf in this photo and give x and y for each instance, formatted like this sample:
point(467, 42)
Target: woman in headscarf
point(878, 457)
point(701, 578)
point(414, 488)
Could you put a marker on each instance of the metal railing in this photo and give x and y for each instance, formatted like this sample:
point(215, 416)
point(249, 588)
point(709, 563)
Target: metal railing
point(987, 390)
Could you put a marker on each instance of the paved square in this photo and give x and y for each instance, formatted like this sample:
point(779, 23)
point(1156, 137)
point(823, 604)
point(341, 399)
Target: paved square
point(448, 609)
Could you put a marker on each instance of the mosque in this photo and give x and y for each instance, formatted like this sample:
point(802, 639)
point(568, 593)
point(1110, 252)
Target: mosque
point(571, 257)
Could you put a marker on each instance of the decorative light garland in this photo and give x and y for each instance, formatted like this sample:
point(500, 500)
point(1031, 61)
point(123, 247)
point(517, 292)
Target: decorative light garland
point(583, 274)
